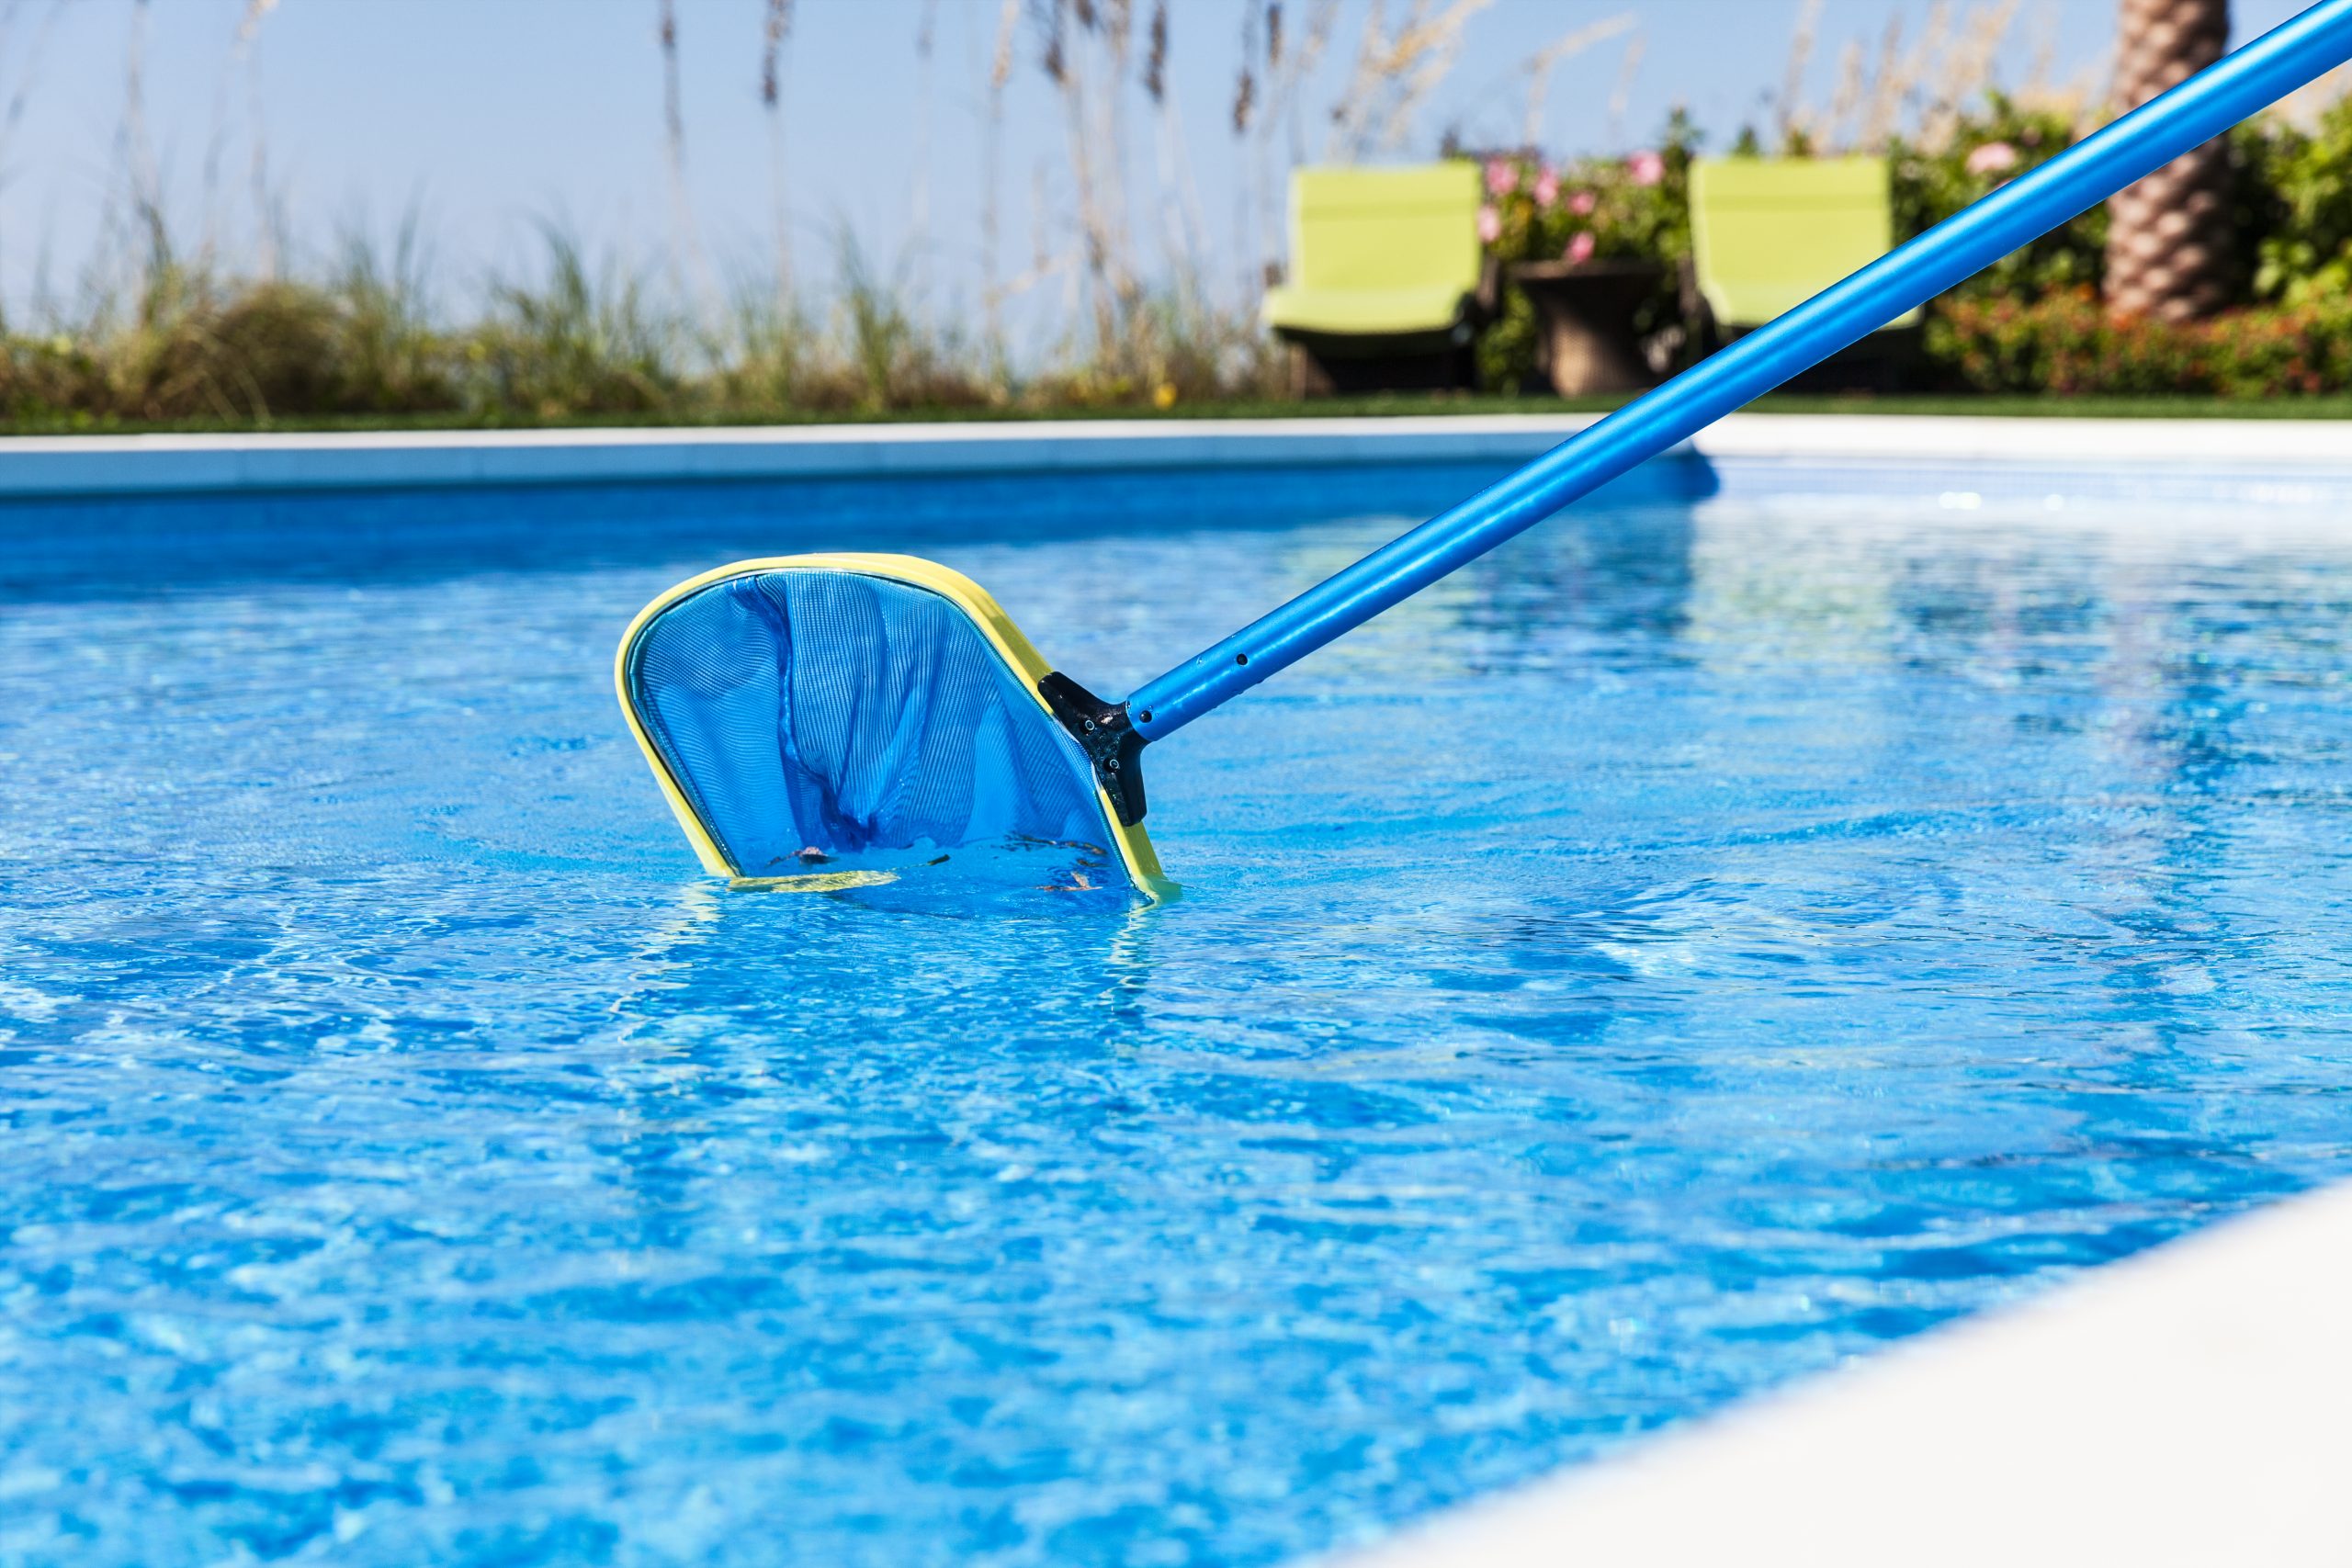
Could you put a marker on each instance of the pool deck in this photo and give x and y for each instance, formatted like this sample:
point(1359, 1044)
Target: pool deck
point(2189, 1405)
point(59, 466)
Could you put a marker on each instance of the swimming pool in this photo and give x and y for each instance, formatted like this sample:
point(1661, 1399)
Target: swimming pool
point(1718, 934)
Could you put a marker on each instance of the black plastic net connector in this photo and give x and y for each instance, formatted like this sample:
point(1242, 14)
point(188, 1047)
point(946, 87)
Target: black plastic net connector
point(1110, 742)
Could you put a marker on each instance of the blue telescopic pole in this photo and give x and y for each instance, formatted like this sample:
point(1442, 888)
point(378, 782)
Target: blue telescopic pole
point(2209, 102)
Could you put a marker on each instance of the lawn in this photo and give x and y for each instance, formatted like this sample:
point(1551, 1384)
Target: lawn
point(1391, 405)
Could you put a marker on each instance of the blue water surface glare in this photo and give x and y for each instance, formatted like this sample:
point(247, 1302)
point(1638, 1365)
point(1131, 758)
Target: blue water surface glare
point(1706, 941)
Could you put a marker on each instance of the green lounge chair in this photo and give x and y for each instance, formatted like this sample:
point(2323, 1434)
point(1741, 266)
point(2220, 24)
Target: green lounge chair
point(1768, 233)
point(1388, 280)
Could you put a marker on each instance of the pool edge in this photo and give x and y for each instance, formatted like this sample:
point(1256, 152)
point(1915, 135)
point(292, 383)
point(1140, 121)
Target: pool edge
point(55, 467)
point(66, 466)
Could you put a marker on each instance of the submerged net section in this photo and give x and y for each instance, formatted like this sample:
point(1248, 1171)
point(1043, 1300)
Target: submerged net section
point(829, 710)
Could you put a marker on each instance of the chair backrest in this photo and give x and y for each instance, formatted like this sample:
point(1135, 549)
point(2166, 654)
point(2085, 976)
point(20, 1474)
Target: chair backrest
point(1768, 233)
point(1385, 228)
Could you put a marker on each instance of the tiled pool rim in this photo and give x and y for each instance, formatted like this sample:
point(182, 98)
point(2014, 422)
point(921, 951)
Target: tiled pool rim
point(2252, 459)
point(2180, 1407)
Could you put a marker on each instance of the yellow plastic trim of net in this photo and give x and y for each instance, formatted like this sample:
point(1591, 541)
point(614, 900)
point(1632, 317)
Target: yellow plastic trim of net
point(1134, 849)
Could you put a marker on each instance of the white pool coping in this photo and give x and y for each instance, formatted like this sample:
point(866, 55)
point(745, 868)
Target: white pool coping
point(2190, 1405)
point(2058, 442)
point(68, 465)
point(57, 465)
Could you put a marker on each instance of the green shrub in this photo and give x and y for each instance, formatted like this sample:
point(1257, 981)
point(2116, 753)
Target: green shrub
point(189, 350)
point(2066, 343)
point(2295, 205)
point(2291, 203)
point(1988, 148)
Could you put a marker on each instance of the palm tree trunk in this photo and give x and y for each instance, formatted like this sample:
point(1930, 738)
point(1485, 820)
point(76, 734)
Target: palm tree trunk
point(2169, 237)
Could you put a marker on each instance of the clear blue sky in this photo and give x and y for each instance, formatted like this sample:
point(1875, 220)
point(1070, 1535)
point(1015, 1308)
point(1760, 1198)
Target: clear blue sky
point(490, 116)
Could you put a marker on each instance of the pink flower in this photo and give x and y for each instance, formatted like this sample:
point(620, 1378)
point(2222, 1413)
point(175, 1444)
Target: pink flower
point(1502, 176)
point(1993, 158)
point(1580, 249)
point(1646, 167)
point(1582, 203)
point(1547, 189)
point(1490, 225)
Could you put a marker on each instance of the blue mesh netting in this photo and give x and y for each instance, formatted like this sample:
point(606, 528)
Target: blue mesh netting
point(843, 713)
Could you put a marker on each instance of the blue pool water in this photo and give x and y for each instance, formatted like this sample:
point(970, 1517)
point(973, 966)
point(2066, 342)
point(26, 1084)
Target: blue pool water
point(1712, 938)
